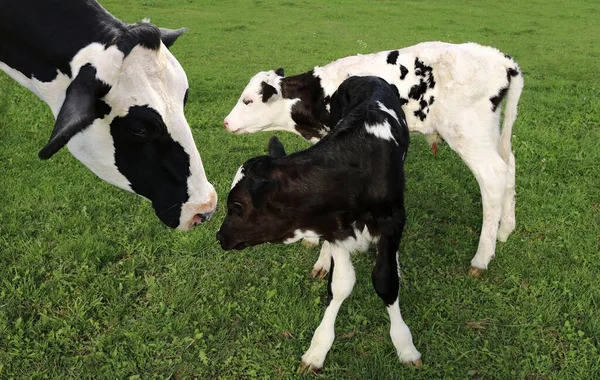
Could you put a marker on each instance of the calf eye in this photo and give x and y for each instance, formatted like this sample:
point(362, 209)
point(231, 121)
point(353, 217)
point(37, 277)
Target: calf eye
point(137, 129)
point(247, 101)
point(238, 209)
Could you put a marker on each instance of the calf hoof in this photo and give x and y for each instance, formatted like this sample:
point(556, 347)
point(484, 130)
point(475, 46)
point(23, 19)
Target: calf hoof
point(307, 369)
point(476, 272)
point(415, 363)
point(320, 272)
point(310, 243)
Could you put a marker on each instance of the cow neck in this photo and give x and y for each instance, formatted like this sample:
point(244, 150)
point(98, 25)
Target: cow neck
point(37, 48)
point(310, 114)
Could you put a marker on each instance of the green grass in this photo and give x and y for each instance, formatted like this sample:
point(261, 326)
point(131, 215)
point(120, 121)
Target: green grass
point(93, 285)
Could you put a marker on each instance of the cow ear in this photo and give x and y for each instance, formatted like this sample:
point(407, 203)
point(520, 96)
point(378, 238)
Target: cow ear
point(259, 189)
point(280, 72)
point(79, 109)
point(169, 36)
point(267, 91)
point(276, 148)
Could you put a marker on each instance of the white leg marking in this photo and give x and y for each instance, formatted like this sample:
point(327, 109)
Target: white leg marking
point(321, 267)
point(341, 286)
point(508, 220)
point(401, 336)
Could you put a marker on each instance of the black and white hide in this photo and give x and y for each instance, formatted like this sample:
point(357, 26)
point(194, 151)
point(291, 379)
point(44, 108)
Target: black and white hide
point(118, 97)
point(347, 189)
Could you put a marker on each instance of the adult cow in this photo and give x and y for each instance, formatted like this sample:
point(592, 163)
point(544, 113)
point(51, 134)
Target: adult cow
point(117, 94)
point(452, 91)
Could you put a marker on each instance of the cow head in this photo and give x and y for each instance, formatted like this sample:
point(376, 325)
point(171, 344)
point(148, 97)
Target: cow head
point(258, 209)
point(261, 107)
point(123, 117)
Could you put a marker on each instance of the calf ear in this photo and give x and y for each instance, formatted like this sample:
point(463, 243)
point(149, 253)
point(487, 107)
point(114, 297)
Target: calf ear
point(258, 191)
point(169, 36)
point(79, 109)
point(267, 91)
point(276, 148)
point(280, 72)
point(395, 89)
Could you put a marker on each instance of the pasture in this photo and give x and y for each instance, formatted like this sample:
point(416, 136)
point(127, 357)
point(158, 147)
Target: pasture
point(93, 285)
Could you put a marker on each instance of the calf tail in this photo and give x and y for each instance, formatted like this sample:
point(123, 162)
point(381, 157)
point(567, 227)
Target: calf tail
point(515, 88)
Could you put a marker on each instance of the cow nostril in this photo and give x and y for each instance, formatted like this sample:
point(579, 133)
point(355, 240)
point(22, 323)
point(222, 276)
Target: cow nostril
point(226, 124)
point(201, 218)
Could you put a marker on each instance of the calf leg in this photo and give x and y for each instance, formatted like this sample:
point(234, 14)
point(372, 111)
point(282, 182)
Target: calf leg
point(321, 267)
point(385, 279)
point(507, 219)
point(491, 174)
point(342, 282)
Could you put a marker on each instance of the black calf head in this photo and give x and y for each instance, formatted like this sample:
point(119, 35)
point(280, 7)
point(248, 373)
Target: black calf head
point(256, 208)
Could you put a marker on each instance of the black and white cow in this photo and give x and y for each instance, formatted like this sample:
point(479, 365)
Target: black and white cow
point(347, 189)
point(447, 90)
point(117, 94)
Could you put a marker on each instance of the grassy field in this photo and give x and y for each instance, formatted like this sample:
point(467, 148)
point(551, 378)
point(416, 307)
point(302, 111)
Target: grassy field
point(93, 285)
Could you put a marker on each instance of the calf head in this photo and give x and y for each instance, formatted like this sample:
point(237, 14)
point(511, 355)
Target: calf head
point(123, 117)
point(261, 107)
point(258, 210)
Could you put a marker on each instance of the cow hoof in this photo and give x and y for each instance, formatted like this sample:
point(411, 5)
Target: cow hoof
point(307, 369)
point(320, 273)
point(476, 272)
point(310, 243)
point(415, 363)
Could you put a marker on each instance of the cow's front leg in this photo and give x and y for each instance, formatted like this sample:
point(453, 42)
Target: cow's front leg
point(341, 284)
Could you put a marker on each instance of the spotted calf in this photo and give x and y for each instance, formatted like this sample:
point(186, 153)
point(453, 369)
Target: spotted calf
point(347, 189)
point(446, 90)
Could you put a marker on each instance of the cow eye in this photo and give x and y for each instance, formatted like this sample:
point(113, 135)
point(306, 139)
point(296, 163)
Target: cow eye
point(138, 129)
point(238, 209)
point(247, 101)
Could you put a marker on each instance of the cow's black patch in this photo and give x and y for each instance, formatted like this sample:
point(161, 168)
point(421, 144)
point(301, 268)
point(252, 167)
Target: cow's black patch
point(403, 72)
point(496, 100)
point(417, 91)
point(39, 39)
point(185, 97)
point(403, 101)
point(266, 90)
point(310, 113)
point(431, 99)
point(422, 70)
point(392, 57)
point(156, 166)
point(420, 114)
point(144, 34)
point(508, 57)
